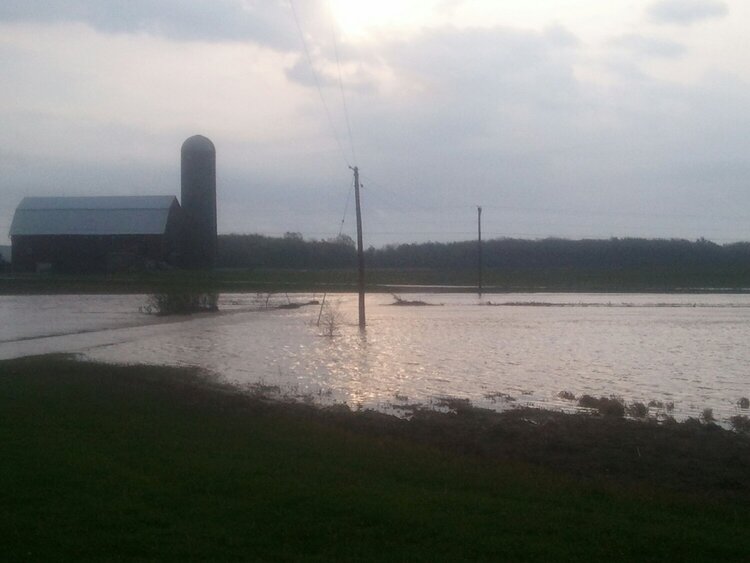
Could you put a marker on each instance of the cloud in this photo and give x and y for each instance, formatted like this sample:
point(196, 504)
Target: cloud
point(483, 64)
point(446, 89)
point(301, 73)
point(500, 117)
point(466, 104)
point(443, 119)
point(686, 12)
point(265, 22)
point(645, 46)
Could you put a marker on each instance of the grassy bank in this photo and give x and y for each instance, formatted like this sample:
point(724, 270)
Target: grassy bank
point(103, 462)
point(271, 280)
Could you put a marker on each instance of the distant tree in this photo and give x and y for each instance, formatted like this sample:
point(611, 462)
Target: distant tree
point(654, 261)
point(346, 240)
point(258, 251)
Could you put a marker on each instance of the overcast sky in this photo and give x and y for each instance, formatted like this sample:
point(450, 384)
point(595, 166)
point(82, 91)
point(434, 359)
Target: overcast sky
point(571, 118)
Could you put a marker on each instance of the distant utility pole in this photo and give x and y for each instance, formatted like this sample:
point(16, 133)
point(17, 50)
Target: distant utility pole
point(479, 247)
point(360, 251)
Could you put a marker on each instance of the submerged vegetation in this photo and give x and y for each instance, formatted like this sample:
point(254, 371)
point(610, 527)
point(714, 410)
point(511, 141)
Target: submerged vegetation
point(112, 462)
point(330, 319)
point(637, 409)
point(707, 416)
point(401, 302)
point(181, 303)
point(606, 406)
point(740, 422)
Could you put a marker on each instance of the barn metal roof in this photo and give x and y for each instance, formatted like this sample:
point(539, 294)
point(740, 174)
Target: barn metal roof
point(106, 215)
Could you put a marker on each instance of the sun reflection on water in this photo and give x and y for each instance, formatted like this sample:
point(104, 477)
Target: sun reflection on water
point(689, 349)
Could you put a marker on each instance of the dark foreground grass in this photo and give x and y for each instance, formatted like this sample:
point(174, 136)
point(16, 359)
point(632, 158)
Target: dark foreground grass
point(115, 463)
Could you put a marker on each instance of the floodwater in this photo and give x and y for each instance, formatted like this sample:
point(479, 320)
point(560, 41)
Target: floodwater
point(497, 351)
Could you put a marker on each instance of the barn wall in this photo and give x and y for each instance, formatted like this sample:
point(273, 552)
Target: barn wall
point(79, 253)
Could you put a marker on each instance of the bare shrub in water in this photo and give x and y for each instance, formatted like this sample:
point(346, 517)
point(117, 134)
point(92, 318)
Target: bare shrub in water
point(744, 403)
point(330, 320)
point(400, 301)
point(181, 303)
point(707, 415)
point(637, 410)
point(741, 423)
point(607, 406)
point(496, 396)
point(567, 395)
point(587, 401)
point(264, 297)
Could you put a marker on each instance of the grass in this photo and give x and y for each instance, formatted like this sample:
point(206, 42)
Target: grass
point(124, 463)
point(383, 279)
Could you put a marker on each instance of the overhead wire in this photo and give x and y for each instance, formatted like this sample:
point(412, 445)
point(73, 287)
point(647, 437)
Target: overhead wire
point(397, 206)
point(317, 83)
point(326, 108)
point(341, 85)
point(346, 113)
point(402, 195)
point(346, 208)
point(414, 206)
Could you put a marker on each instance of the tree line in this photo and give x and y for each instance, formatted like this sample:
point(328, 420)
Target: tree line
point(288, 252)
point(293, 252)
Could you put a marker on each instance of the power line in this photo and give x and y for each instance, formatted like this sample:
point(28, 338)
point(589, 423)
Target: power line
point(402, 197)
point(346, 208)
point(317, 83)
point(341, 85)
point(412, 205)
point(325, 105)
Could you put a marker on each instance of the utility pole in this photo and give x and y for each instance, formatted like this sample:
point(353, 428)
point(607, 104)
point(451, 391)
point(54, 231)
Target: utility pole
point(479, 248)
point(360, 251)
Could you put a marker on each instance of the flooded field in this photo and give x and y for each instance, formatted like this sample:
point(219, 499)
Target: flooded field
point(497, 351)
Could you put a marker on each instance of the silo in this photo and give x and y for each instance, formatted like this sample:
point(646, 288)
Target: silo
point(199, 202)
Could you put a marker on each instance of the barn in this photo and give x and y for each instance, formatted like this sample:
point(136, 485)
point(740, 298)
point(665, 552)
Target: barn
point(95, 234)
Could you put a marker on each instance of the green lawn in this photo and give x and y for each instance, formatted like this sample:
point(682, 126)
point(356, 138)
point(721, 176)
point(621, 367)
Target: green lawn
point(102, 462)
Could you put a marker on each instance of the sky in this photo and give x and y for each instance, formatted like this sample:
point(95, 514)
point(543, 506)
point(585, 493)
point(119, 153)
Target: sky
point(566, 118)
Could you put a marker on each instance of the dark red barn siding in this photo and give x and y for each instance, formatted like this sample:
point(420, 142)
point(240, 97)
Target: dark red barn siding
point(80, 253)
point(125, 237)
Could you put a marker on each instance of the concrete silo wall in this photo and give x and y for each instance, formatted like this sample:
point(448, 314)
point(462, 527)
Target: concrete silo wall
point(199, 202)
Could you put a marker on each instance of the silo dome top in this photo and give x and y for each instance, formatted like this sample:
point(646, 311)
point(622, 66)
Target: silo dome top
point(198, 143)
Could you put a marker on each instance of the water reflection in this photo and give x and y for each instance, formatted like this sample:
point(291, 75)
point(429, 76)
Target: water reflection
point(683, 348)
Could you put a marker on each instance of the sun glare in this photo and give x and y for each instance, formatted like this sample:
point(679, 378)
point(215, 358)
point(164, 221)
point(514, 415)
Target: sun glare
point(360, 17)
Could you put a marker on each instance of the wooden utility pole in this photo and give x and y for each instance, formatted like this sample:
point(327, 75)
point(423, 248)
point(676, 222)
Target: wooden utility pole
point(360, 251)
point(479, 247)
